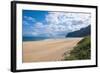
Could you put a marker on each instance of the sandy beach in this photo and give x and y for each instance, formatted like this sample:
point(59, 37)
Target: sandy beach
point(47, 50)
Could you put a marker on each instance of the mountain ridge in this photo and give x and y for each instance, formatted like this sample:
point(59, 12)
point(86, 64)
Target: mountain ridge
point(80, 33)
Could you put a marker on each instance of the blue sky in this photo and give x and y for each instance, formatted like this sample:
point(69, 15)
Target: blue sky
point(52, 24)
point(38, 15)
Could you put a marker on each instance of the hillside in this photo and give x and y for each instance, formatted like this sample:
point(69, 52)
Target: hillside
point(81, 51)
point(80, 33)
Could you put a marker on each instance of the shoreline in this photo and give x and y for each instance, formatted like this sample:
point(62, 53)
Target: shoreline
point(50, 39)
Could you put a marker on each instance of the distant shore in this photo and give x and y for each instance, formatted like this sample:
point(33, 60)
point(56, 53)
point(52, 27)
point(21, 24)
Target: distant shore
point(47, 50)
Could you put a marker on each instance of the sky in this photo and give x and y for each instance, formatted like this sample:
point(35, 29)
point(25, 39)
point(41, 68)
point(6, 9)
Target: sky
point(53, 24)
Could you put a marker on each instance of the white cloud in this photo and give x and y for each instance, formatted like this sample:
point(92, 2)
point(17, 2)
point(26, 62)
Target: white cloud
point(67, 22)
point(61, 23)
point(29, 18)
point(25, 22)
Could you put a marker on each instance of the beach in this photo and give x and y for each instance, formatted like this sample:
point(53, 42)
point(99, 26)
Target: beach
point(47, 50)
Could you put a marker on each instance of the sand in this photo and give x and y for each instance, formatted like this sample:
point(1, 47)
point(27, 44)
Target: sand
point(47, 50)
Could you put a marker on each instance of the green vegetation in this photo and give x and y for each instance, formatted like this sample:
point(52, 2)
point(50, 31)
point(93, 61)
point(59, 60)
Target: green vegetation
point(81, 50)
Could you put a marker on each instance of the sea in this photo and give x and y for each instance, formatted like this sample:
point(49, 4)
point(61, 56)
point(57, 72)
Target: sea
point(34, 38)
point(45, 38)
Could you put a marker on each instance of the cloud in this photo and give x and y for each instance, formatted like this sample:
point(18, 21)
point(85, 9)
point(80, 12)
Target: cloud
point(28, 19)
point(58, 24)
point(25, 22)
point(63, 23)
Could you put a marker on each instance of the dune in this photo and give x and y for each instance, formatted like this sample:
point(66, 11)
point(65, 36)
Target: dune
point(47, 50)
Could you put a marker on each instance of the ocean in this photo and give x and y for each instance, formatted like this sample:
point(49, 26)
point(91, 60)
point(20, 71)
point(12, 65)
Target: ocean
point(34, 38)
point(47, 38)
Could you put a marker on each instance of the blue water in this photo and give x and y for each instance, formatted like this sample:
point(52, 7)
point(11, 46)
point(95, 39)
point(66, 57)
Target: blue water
point(46, 38)
point(34, 38)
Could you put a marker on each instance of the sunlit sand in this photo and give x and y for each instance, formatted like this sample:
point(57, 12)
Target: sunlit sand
point(47, 50)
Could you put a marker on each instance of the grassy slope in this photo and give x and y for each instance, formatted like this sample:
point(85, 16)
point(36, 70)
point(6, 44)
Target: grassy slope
point(81, 51)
